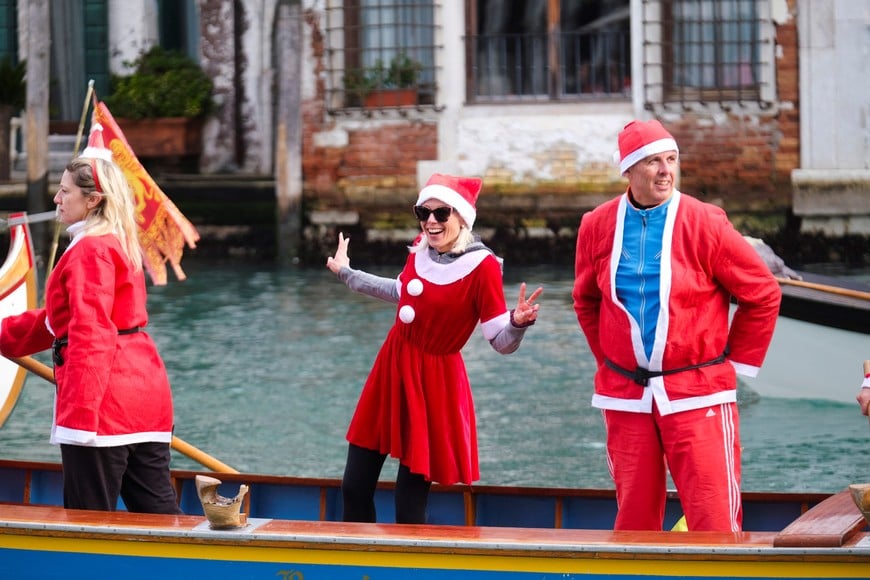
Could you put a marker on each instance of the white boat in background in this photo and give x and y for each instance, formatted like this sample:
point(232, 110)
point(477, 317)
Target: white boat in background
point(822, 338)
point(812, 361)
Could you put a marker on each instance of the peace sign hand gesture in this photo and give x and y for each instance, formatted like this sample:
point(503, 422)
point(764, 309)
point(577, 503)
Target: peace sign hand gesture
point(526, 311)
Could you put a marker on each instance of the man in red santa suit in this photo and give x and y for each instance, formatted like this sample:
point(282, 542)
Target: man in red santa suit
point(113, 406)
point(416, 404)
point(655, 272)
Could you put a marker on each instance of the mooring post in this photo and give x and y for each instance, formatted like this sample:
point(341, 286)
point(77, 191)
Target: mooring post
point(288, 137)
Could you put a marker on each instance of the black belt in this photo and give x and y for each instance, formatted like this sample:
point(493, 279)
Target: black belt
point(642, 376)
point(62, 342)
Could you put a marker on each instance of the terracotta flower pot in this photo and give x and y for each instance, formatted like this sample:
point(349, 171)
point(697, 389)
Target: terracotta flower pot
point(391, 98)
point(163, 137)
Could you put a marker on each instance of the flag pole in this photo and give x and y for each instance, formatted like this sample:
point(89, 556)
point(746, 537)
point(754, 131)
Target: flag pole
point(81, 130)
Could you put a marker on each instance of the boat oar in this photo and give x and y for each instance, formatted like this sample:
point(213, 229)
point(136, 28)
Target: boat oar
point(203, 458)
point(859, 294)
point(32, 218)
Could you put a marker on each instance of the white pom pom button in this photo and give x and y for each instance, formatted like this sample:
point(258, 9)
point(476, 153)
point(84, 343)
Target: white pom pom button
point(415, 287)
point(406, 313)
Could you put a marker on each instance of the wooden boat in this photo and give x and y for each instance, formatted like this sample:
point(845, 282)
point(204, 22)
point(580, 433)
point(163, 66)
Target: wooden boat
point(479, 532)
point(17, 294)
point(290, 531)
point(841, 303)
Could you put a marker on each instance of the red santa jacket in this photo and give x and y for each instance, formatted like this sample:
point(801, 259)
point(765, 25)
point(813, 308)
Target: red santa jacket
point(111, 389)
point(704, 262)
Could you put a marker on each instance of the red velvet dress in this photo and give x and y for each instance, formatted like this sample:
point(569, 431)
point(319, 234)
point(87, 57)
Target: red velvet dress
point(417, 404)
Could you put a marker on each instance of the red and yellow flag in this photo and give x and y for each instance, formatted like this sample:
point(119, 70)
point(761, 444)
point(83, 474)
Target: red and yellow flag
point(163, 229)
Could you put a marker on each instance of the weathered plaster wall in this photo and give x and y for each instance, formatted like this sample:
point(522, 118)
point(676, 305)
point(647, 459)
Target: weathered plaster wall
point(132, 30)
point(219, 57)
point(542, 146)
point(832, 185)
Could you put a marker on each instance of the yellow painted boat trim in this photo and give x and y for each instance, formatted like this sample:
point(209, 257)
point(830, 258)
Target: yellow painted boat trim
point(595, 563)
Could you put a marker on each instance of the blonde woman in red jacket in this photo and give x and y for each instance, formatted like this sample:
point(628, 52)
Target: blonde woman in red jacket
point(113, 413)
point(655, 273)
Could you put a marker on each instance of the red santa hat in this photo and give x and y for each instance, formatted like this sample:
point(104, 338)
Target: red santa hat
point(460, 193)
point(96, 149)
point(639, 139)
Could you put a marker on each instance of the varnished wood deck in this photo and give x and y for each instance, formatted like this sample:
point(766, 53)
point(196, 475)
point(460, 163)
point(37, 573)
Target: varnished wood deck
point(58, 522)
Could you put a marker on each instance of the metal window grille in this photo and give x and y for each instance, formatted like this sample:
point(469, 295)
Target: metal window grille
point(527, 50)
point(707, 52)
point(381, 54)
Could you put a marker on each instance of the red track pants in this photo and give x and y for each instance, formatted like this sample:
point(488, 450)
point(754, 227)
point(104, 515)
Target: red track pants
point(702, 449)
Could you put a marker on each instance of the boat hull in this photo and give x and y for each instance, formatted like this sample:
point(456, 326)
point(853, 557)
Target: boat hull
point(812, 361)
point(52, 542)
point(484, 533)
point(821, 339)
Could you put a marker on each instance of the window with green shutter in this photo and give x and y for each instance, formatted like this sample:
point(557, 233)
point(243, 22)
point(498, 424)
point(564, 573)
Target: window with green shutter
point(96, 43)
point(9, 29)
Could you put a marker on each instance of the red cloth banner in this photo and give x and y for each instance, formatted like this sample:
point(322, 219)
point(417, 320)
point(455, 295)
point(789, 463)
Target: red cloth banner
point(163, 229)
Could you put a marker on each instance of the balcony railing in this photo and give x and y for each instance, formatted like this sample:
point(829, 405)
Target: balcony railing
point(536, 67)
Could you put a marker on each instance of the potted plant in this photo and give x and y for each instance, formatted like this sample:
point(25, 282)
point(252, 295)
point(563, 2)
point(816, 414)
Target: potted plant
point(384, 85)
point(13, 94)
point(162, 105)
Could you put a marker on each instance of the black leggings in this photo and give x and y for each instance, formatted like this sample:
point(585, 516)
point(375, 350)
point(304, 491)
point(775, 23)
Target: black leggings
point(94, 477)
point(361, 479)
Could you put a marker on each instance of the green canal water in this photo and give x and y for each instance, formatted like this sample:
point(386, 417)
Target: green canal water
point(266, 367)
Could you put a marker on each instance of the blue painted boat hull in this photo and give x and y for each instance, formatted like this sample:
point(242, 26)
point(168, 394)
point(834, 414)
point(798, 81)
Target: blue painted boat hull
point(486, 533)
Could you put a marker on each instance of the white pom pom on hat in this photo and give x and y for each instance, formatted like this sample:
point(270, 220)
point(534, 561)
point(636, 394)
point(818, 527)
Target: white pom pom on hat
point(639, 139)
point(460, 193)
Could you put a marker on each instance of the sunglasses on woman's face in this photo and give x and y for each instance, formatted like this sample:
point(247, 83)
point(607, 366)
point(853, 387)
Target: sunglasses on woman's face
point(442, 214)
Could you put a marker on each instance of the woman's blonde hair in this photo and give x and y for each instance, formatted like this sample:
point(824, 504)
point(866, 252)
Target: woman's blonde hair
point(115, 214)
point(463, 240)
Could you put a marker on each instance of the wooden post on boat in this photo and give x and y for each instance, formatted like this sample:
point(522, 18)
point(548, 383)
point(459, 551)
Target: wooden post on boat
point(179, 445)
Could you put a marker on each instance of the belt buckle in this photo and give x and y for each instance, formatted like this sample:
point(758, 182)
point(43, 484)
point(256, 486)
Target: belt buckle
point(641, 376)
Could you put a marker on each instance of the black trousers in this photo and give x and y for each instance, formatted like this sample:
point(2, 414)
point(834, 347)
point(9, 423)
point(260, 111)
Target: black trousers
point(94, 478)
point(361, 475)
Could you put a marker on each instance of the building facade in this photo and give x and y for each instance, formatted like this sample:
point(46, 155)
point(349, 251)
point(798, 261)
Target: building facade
point(766, 98)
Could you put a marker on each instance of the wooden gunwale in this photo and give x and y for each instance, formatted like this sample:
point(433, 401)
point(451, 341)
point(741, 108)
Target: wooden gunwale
point(469, 492)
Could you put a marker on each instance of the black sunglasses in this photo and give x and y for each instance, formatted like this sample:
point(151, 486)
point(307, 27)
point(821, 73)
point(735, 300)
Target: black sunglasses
point(442, 214)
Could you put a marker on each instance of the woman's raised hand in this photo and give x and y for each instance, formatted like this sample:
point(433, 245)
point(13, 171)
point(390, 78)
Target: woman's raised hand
point(340, 259)
point(526, 311)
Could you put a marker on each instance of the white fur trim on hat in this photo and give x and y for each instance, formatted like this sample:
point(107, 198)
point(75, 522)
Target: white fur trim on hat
point(97, 153)
point(452, 198)
point(649, 149)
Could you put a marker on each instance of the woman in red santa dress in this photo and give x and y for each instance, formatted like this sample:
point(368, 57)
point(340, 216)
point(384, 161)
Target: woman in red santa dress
point(416, 404)
point(113, 410)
